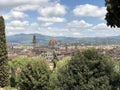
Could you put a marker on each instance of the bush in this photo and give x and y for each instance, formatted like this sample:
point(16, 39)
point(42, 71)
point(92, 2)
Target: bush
point(9, 88)
point(35, 75)
point(115, 79)
point(87, 70)
point(15, 68)
point(60, 64)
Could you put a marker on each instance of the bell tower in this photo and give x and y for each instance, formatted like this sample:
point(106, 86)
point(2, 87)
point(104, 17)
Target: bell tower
point(34, 41)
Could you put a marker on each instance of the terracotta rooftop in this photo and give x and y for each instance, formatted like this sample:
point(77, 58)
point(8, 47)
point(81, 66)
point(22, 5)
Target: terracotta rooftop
point(52, 42)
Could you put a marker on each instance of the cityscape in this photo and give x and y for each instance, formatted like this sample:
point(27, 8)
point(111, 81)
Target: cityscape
point(37, 45)
point(60, 45)
point(62, 50)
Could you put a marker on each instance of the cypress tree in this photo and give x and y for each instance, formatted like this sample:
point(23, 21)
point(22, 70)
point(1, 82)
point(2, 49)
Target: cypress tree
point(3, 55)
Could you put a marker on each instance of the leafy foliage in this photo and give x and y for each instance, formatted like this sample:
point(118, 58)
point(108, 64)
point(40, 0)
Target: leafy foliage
point(35, 75)
point(9, 88)
point(55, 60)
point(87, 70)
point(113, 13)
point(15, 68)
point(18, 62)
point(115, 79)
point(3, 56)
point(60, 64)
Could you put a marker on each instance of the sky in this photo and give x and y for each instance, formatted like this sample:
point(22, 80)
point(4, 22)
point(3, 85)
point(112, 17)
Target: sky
point(69, 18)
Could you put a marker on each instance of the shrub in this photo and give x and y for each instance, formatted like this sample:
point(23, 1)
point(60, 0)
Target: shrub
point(9, 88)
point(87, 70)
point(115, 78)
point(15, 68)
point(35, 75)
point(60, 64)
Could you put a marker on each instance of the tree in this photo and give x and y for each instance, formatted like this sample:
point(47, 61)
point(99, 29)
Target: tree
point(113, 13)
point(35, 75)
point(55, 59)
point(115, 79)
point(15, 68)
point(60, 64)
point(3, 55)
point(87, 70)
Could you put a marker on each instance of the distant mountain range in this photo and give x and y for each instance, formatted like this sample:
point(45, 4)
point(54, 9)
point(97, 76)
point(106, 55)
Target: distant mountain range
point(26, 39)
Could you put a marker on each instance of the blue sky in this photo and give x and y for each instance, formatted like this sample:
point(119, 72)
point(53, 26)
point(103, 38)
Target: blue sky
point(70, 18)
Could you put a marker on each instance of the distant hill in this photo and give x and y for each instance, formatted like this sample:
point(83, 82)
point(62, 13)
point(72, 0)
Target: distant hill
point(26, 39)
point(116, 37)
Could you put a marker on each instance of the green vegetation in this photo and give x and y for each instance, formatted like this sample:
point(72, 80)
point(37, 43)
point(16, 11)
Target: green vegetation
point(15, 68)
point(87, 70)
point(113, 13)
point(34, 75)
point(60, 64)
point(9, 88)
point(55, 60)
point(116, 76)
point(29, 74)
point(3, 55)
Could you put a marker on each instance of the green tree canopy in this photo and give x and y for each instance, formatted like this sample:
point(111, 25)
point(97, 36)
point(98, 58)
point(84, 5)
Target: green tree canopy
point(55, 59)
point(113, 13)
point(35, 75)
point(15, 68)
point(87, 70)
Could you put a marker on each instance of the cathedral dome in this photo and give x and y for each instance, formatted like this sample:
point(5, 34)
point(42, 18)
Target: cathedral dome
point(52, 42)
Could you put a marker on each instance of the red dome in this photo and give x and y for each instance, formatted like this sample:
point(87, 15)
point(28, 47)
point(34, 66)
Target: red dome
point(52, 42)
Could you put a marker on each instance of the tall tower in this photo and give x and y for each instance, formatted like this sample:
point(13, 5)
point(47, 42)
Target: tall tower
point(66, 47)
point(3, 55)
point(34, 41)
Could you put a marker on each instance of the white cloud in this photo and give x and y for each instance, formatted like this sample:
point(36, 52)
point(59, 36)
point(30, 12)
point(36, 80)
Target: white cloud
point(13, 3)
point(15, 15)
point(101, 26)
point(88, 10)
point(50, 12)
point(78, 24)
point(17, 23)
point(102, 30)
point(52, 31)
point(26, 7)
point(34, 25)
point(51, 19)
point(53, 13)
point(17, 27)
point(46, 24)
point(54, 10)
